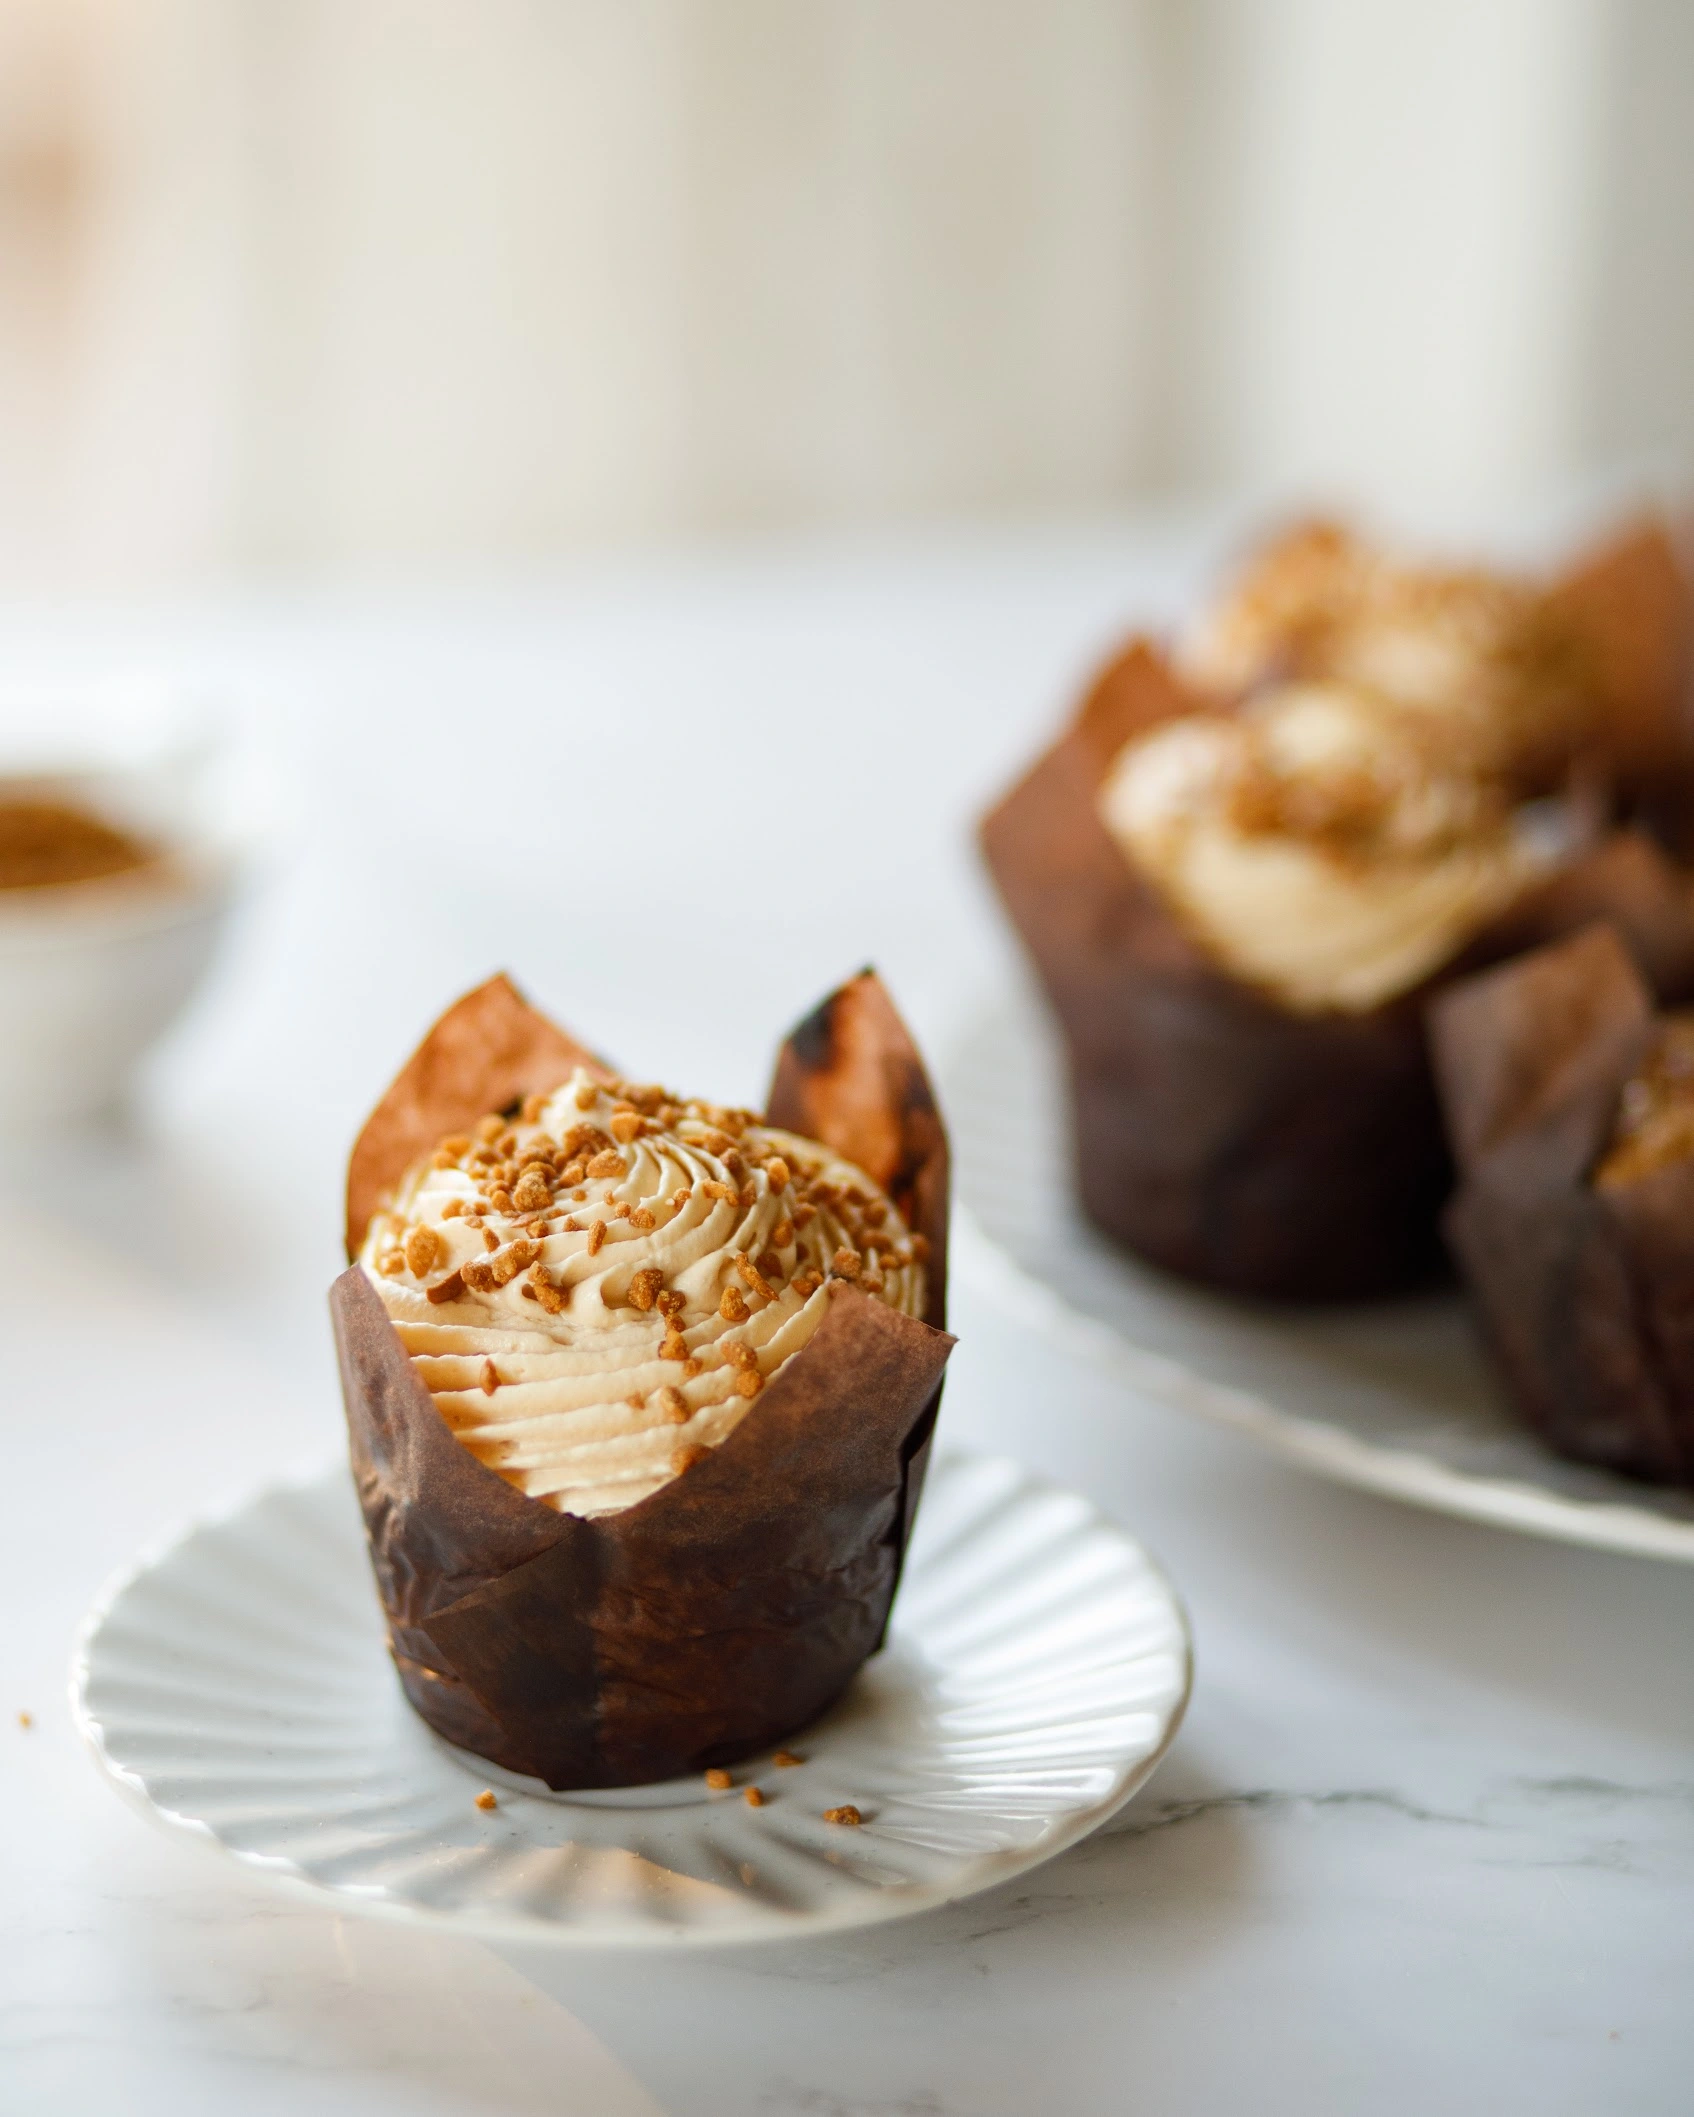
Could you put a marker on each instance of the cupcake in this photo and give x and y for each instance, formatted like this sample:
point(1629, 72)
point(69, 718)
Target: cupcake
point(1239, 912)
point(640, 1389)
point(1570, 1102)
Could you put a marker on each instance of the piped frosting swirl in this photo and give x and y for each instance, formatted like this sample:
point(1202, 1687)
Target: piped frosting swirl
point(596, 1290)
point(1320, 842)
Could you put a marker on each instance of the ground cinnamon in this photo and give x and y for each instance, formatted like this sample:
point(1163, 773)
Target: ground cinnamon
point(45, 842)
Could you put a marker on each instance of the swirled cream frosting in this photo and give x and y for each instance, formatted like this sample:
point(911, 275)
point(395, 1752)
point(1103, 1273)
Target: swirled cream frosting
point(1318, 842)
point(595, 1291)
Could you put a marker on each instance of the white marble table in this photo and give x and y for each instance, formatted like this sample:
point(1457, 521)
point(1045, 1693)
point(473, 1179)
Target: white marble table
point(1427, 1839)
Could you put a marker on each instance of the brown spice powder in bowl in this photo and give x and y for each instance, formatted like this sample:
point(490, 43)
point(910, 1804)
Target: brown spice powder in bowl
point(45, 843)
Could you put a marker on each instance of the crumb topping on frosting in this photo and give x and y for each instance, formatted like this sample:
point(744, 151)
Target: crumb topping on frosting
point(1320, 841)
point(1485, 658)
point(595, 1289)
point(1655, 1120)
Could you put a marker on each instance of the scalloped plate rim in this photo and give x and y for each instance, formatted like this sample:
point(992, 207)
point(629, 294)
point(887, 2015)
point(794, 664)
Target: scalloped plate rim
point(982, 1872)
point(1313, 1444)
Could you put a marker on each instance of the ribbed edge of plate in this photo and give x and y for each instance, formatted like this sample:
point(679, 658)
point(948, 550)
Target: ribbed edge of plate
point(232, 1683)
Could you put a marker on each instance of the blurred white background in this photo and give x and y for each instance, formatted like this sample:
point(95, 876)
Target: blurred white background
point(347, 286)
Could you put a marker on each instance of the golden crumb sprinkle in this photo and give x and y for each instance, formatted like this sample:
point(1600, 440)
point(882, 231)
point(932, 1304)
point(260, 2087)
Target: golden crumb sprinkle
point(391, 1264)
point(486, 1799)
point(749, 1382)
point(596, 1236)
point(448, 1289)
point(490, 1127)
point(846, 1813)
point(777, 1173)
point(686, 1456)
point(490, 1378)
point(740, 1354)
point(645, 1287)
point(452, 1209)
point(846, 1263)
point(626, 1126)
point(786, 1759)
point(533, 1105)
point(782, 1235)
point(726, 1191)
point(718, 1779)
point(671, 1302)
point(490, 1241)
point(673, 1346)
point(642, 1217)
point(753, 1797)
point(674, 1404)
point(423, 1246)
point(608, 1162)
point(533, 1193)
point(733, 1307)
point(587, 1096)
point(456, 1144)
point(517, 1256)
point(754, 1279)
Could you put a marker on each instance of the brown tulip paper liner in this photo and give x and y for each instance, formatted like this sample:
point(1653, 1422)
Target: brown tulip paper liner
point(1215, 1132)
point(487, 1052)
point(1630, 604)
point(733, 1605)
point(1586, 1296)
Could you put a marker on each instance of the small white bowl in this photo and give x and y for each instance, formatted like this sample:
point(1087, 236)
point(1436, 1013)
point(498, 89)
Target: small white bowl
point(92, 973)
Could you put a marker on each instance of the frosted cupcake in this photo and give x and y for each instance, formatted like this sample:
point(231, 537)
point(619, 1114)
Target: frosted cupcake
point(1240, 901)
point(640, 1386)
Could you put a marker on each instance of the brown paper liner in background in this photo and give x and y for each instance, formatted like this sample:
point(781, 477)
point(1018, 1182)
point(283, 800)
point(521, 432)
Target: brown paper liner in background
point(731, 1606)
point(1630, 602)
point(1216, 1133)
point(1586, 1296)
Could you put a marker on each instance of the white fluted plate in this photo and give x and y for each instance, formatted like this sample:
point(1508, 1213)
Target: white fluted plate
point(1394, 1396)
point(235, 1685)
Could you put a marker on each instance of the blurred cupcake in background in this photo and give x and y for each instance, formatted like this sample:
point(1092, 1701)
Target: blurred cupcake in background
point(1245, 867)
